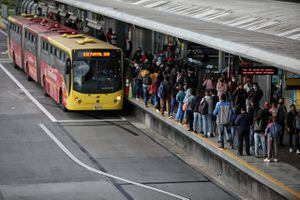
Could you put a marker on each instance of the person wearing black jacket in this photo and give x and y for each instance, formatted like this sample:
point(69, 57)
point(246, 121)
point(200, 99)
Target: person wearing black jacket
point(239, 98)
point(255, 94)
point(261, 120)
point(290, 124)
point(253, 109)
point(197, 123)
point(243, 123)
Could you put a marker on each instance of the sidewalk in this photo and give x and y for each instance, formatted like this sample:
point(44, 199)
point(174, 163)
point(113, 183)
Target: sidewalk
point(284, 175)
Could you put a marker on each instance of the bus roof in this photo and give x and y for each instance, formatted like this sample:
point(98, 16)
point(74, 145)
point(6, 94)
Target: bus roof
point(72, 44)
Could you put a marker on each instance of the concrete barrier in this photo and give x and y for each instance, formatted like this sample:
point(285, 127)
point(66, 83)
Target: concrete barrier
point(221, 165)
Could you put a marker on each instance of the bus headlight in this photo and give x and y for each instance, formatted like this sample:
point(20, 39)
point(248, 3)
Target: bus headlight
point(119, 98)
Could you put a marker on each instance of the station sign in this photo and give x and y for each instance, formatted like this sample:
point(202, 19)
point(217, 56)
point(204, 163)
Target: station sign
point(255, 68)
point(258, 71)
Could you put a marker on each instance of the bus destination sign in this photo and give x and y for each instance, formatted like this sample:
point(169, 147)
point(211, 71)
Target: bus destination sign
point(257, 70)
point(86, 54)
point(95, 54)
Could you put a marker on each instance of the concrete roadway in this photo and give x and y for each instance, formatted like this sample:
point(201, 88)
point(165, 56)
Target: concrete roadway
point(32, 166)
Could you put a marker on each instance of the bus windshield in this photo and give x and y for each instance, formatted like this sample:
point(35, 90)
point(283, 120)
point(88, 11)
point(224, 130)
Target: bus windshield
point(97, 75)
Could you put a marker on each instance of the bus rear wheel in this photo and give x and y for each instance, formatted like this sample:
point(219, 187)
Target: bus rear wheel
point(14, 61)
point(27, 74)
point(45, 89)
point(61, 103)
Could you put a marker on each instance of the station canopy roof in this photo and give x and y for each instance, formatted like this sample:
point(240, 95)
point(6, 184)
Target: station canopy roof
point(265, 31)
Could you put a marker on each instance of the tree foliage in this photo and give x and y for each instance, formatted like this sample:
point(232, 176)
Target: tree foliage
point(9, 3)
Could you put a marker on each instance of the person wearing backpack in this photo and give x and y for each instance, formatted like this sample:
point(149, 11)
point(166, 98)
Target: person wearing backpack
point(273, 131)
point(223, 112)
point(260, 124)
point(206, 111)
point(297, 132)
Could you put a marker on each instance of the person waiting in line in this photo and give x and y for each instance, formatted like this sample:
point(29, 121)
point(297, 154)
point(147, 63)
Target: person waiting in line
point(255, 94)
point(164, 93)
point(243, 123)
point(138, 82)
point(189, 111)
point(128, 47)
point(239, 98)
point(281, 114)
point(146, 85)
point(197, 124)
point(273, 131)
point(261, 121)
point(297, 132)
point(273, 109)
point(208, 84)
point(108, 35)
point(253, 109)
point(114, 38)
point(223, 112)
point(179, 98)
point(137, 55)
point(174, 91)
point(290, 125)
point(206, 112)
point(221, 87)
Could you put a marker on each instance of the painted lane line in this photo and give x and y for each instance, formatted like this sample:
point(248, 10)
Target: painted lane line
point(90, 120)
point(5, 61)
point(79, 162)
point(34, 100)
point(3, 32)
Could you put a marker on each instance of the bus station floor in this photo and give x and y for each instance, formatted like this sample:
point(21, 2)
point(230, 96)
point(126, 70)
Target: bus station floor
point(285, 173)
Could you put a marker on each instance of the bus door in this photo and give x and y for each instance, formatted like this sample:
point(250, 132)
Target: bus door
point(38, 57)
point(22, 46)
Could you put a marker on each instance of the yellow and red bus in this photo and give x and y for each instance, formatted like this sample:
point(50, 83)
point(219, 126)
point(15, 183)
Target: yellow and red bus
point(79, 72)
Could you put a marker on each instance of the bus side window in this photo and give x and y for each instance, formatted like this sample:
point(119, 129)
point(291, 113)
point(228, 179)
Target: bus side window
point(50, 49)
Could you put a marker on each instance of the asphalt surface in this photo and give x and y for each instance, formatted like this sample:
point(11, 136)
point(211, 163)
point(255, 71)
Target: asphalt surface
point(32, 166)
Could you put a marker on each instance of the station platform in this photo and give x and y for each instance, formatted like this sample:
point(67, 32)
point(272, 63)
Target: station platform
point(249, 175)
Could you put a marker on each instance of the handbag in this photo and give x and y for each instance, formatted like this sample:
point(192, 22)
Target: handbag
point(185, 106)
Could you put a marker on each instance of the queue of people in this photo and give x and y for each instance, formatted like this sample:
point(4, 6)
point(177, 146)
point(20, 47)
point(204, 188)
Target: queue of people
point(224, 108)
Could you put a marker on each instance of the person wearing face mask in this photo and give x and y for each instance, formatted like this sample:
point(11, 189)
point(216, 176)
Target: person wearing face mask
point(255, 94)
point(221, 87)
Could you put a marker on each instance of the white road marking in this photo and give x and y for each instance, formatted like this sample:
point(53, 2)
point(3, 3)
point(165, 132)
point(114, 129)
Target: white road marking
point(4, 33)
point(5, 60)
point(79, 162)
point(36, 102)
point(90, 120)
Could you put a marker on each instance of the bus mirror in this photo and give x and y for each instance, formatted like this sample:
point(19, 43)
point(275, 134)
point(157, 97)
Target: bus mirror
point(68, 67)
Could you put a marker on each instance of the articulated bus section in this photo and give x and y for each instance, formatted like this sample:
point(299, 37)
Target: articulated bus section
point(76, 71)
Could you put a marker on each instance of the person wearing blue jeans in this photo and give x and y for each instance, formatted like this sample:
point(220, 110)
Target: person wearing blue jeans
point(146, 94)
point(259, 138)
point(179, 98)
point(261, 120)
point(223, 112)
point(207, 120)
point(197, 122)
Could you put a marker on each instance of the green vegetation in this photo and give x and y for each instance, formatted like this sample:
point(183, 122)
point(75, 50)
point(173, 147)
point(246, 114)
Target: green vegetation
point(9, 3)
